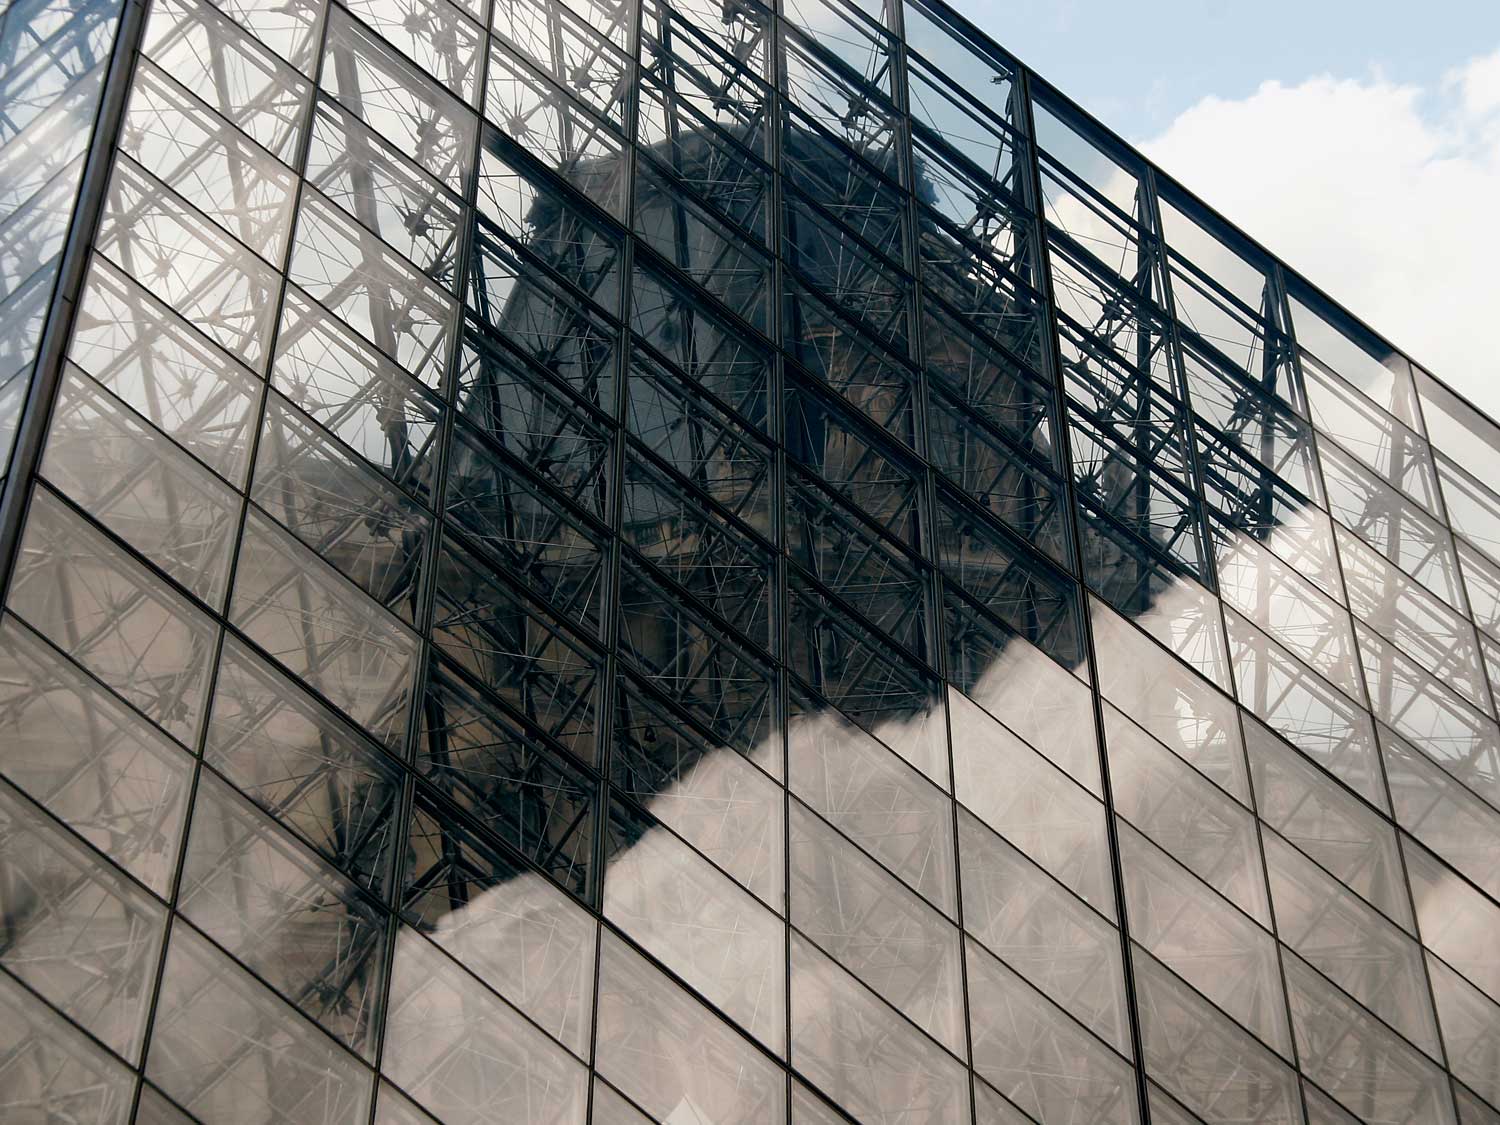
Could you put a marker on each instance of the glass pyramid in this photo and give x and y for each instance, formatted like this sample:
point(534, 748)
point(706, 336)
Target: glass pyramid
point(689, 561)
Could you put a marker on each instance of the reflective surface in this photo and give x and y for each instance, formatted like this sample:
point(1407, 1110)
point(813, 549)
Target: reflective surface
point(662, 561)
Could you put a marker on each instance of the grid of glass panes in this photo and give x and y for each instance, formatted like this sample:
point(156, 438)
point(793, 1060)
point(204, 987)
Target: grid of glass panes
point(678, 561)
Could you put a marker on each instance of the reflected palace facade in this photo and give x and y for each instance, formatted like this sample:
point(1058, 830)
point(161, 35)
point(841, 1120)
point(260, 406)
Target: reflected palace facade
point(698, 561)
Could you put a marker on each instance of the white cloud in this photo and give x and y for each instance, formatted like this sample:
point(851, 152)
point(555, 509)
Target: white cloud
point(1382, 194)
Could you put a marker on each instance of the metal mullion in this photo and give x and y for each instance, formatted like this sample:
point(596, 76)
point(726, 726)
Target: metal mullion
point(1052, 345)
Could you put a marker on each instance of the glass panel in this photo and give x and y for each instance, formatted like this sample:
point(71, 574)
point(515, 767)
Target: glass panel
point(302, 765)
point(668, 1054)
point(1414, 619)
point(227, 1049)
point(1344, 835)
point(106, 611)
point(1357, 949)
point(1178, 708)
point(709, 795)
point(1306, 710)
point(244, 82)
point(1458, 923)
point(1025, 917)
point(875, 1064)
point(466, 1055)
point(1284, 603)
point(208, 162)
point(1391, 449)
point(435, 34)
point(155, 1108)
point(358, 522)
point(397, 100)
point(373, 181)
point(702, 926)
point(611, 1108)
point(1422, 708)
point(288, 28)
point(169, 374)
point(1030, 802)
point(94, 764)
point(297, 924)
point(519, 652)
point(1443, 814)
point(52, 1071)
point(373, 406)
point(1471, 1029)
point(394, 1108)
point(324, 629)
point(1369, 365)
point(218, 285)
point(504, 773)
point(1037, 1056)
point(379, 295)
point(1209, 1064)
point(76, 930)
point(1045, 706)
point(512, 929)
point(1359, 1061)
point(877, 800)
point(1186, 815)
point(1413, 540)
point(141, 486)
point(882, 933)
point(1204, 940)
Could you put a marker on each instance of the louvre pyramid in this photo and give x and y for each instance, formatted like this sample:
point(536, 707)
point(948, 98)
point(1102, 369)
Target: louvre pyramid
point(690, 561)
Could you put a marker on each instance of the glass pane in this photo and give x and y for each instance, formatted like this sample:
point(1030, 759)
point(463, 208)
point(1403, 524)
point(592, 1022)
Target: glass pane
point(94, 764)
point(671, 1056)
point(875, 1064)
point(397, 100)
point(1352, 945)
point(877, 800)
point(1209, 1064)
point(1458, 923)
point(1186, 815)
point(1181, 710)
point(302, 928)
point(467, 1055)
point(301, 764)
point(709, 795)
point(1025, 917)
point(1344, 835)
point(108, 612)
point(141, 486)
point(1203, 939)
point(172, 376)
point(702, 926)
point(1031, 803)
point(1358, 1060)
point(52, 1071)
point(324, 629)
point(1037, 1056)
point(215, 283)
point(874, 927)
point(76, 930)
point(236, 76)
point(511, 928)
point(227, 1049)
point(208, 162)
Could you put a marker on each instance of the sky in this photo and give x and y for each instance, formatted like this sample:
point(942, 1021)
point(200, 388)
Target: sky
point(1360, 141)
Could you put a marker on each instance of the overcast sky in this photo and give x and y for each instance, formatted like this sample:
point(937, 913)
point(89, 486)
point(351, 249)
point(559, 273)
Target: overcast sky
point(1358, 139)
